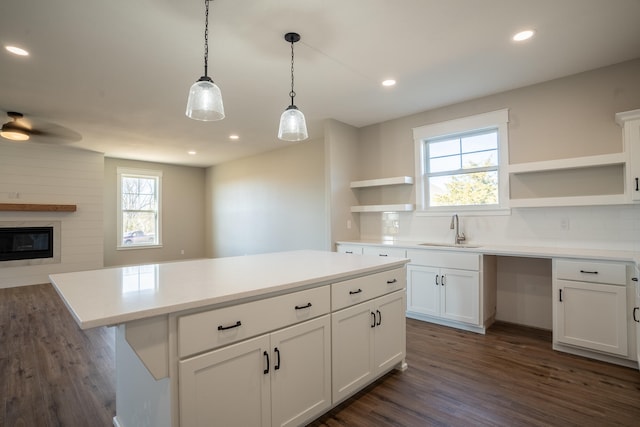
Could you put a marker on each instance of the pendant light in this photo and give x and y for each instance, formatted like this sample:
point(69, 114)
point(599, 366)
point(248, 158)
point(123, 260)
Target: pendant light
point(293, 126)
point(205, 99)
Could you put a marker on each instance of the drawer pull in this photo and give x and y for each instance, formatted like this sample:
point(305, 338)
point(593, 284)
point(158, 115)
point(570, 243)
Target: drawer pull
point(383, 255)
point(634, 279)
point(443, 280)
point(266, 371)
point(373, 316)
point(437, 275)
point(389, 282)
point(560, 292)
point(277, 365)
point(355, 292)
point(635, 309)
point(348, 252)
point(302, 307)
point(588, 272)
point(224, 328)
point(637, 188)
point(379, 318)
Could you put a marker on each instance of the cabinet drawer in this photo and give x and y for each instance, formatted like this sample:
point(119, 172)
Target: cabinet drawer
point(384, 251)
point(349, 249)
point(210, 329)
point(445, 259)
point(354, 291)
point(590, 271)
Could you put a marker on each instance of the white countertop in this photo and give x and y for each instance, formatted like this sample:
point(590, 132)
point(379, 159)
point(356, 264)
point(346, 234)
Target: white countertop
point(121, 294)
point(521, 251)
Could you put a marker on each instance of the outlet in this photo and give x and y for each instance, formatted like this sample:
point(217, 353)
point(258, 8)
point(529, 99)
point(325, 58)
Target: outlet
point(565, 224)
point(348, 224)
point(181, 251)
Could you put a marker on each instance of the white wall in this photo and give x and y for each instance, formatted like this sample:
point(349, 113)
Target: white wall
point(40, 173)
point(270, 202)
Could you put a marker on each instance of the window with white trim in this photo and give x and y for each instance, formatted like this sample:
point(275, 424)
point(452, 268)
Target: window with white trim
point(461, 165)
point(139, 203)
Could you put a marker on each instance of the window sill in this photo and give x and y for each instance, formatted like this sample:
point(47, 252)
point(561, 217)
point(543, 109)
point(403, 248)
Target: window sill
point(462, 211)
point(131, 247)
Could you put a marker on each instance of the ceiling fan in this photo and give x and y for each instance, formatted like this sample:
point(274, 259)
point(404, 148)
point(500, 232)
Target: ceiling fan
point(19, 128)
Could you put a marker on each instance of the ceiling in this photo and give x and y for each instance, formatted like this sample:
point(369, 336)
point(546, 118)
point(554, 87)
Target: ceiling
point(118, 72)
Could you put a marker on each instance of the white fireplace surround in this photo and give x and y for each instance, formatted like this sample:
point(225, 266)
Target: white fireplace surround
point(38, 261)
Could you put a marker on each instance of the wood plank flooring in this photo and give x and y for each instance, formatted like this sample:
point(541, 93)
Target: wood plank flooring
point(54, 374)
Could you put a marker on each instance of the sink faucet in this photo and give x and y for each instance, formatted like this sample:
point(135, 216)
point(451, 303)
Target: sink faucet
point(456, 224)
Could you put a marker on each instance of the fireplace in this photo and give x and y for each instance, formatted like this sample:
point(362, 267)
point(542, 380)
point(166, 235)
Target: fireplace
point(26, 243)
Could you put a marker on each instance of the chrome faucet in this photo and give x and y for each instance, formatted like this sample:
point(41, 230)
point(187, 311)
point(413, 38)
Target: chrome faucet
point(456, 224)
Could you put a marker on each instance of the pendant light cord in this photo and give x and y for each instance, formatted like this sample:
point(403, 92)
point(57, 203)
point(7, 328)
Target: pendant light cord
point(206, 36)
point(292, 94)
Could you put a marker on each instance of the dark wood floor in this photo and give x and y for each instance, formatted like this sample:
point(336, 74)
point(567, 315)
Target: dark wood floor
point(54, 374)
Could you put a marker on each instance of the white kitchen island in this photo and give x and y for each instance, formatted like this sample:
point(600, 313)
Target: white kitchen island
point(272, 339)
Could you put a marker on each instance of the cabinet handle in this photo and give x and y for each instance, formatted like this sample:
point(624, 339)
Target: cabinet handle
point(588, 272)
point(224, 328)
point(379, 318)
point(277, 365)
point(443, 281)
point(437, 279)
point(637, 189)
point(560, 291)
point(383, 255)
point(266, 371)
point(302, 307)
point(634, 279)
point(355, 292)
point(348, 252)
point(373, 316)
point(389, 282)
point(635, 309)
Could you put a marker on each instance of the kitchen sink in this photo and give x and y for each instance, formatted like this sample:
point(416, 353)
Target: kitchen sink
point(449, 245)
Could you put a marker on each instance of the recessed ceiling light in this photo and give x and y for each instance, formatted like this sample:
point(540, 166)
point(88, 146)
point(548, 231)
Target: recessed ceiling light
point(234, 137)
point(17, 51)
point(389, 82)
point(192, 152)
point(523, 35)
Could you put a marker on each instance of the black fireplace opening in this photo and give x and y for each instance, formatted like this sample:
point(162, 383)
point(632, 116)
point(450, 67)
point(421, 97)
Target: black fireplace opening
point(18, 243)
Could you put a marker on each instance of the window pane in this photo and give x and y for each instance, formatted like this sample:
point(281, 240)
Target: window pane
point(441, 164)
point(444, 148)
point(481, 142)
point(480, 188)
point(139, 228)
point(480, 159)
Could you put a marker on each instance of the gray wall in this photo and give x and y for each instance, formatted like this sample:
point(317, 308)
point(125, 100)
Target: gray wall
point(183, 212)
point(267, 203)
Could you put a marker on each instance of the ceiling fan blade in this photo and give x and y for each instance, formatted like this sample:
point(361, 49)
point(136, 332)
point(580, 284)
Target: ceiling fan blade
point(43, 131)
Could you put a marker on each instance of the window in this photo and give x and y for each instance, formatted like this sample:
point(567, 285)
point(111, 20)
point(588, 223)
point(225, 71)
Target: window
point(139, 215)
point(461, 164)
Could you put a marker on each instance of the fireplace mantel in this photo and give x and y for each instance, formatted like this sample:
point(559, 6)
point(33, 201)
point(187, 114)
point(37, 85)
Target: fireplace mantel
point(36, 207)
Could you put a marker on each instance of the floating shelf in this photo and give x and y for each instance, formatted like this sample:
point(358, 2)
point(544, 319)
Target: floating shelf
point(607, 199)
point(397, 180)
point(571, 163)
point(383, 208)
point(36, 207)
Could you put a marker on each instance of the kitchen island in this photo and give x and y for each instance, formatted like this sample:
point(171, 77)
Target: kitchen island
point(271, 339)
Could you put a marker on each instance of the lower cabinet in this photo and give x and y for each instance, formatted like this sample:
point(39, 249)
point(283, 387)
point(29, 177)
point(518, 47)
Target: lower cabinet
point(446, 293)
point(277, 379)
point(368, 339)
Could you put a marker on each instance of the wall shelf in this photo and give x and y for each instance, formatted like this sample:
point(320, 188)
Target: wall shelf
point(36, 207)
point(383, 208)
point(397, 180)
point(571, 163)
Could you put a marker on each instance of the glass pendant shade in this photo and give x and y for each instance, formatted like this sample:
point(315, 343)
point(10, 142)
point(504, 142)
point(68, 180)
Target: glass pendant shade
point(205, 101)
point(293, 126)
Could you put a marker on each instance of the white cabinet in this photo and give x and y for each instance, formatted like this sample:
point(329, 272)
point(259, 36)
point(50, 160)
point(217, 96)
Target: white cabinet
point(590, 307)
point(349, 249)
point(277, 379)
point(262, 363)
point(377, 250)
point(630, 122)
point(368, 336)
point(449, 288)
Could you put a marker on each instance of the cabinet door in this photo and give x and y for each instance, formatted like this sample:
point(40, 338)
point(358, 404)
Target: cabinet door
point(301, 372)
point(423, 290)
point(226, 387)
point(460, 295)
point(591, 315)
point(389, 333)
point(351, 349)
